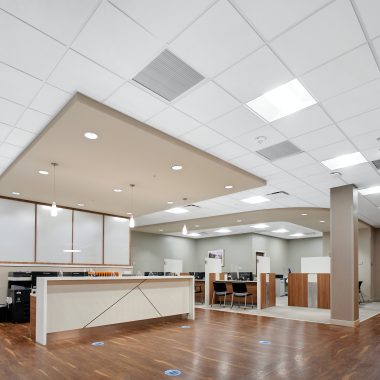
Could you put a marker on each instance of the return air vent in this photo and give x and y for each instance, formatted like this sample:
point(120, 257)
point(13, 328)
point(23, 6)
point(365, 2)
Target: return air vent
point(168, 76)
point(377, 164)
point(277, 195)
point(281, 150)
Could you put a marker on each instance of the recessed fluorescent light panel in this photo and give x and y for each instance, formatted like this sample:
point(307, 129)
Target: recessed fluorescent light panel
point(256, 199)
point(260, 226)
point(194, 234)
point(370, 190)
point(344, 161)
point(282, 101)
point(177, 210)
point(280, 231)
point(297, 234)
point(223, 231)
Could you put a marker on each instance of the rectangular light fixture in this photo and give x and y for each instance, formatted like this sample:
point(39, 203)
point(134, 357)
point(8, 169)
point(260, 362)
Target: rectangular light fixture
point(370, 190)
point(223, 231)
point(72, 250)
point(194, 234)
point(256, 199)
point(177, 210)
point(280, 231)
point(344, 161)
point(260, 226)
point(282, 101)
point(297, 234)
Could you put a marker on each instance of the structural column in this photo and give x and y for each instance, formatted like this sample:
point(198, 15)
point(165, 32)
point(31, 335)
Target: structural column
point(344, 255)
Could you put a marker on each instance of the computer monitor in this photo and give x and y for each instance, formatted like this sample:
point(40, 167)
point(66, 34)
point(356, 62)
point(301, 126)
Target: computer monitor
point(199, 275)
point(245, 276)
point(232, 275)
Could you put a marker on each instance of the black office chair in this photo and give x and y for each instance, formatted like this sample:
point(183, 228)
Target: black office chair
point(198, 290)
point(239, 290)
point(361, 296)
point(220, 290)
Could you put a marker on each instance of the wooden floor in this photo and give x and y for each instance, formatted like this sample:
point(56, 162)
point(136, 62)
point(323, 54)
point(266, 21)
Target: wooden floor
point(218, 346)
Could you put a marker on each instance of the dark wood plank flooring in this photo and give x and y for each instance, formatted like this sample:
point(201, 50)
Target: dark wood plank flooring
point(218, 346)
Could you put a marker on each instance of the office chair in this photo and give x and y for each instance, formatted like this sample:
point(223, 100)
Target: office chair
point(239, 290)
point(220, 290)
point(361, 296)
point(198, 290)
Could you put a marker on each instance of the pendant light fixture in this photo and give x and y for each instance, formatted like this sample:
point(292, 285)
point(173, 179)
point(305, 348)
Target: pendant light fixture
point(53, 210)
point(184, 228)
point(132, 219)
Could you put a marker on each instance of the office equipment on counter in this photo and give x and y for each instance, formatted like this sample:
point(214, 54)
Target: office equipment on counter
point(3, 312)
point(280, 286)
point(19, 308)
point(245, 276)
point(42, 274)
point(23, 279)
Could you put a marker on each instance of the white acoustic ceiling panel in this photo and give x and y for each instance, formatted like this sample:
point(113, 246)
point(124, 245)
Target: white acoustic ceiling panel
point(168, 76)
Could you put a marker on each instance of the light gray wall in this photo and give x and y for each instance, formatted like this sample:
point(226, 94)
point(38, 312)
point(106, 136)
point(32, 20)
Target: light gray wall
point(274, 248)
point(237, 251)
point(148, 252)
point(297, 248)
point(365, 261)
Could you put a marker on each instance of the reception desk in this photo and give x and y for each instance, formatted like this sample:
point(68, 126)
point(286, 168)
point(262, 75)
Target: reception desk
point(72, 303)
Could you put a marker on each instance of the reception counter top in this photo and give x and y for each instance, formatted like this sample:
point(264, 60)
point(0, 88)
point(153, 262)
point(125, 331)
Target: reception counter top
point(75, 303)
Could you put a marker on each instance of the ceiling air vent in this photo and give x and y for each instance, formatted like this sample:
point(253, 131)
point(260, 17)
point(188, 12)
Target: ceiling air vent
point(277, 195)
point(377, 164)
point(192, 206)
point(281, 150)
point(168, 76)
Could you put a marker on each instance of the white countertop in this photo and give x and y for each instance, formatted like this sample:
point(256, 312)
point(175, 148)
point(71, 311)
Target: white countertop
point(113, 278)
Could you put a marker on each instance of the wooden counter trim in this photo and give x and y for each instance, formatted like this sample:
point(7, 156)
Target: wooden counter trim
point(323, 284)
point(297, 289)
point(32, 325)
point(111, 280)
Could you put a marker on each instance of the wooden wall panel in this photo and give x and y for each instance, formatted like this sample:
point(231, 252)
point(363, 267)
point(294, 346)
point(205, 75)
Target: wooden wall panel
point(297, 289)
point(323, 284)
point(32, 324)
point(263, 291)
point(272, 289)
point(212, 278)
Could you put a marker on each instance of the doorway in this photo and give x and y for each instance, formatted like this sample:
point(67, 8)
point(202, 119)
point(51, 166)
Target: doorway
point(258, 254)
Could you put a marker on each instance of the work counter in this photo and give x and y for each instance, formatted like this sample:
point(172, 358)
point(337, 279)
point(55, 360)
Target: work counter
point(72, 303)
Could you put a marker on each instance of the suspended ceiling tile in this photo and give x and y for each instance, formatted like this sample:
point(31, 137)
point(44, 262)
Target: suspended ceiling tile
point(216, 40)
point(166, 18)
point(359, 100)
point(302, 122)
point(173, 122)
point(342, 74)
point(27, 49)
point(33, 121)
point(76, 73)
point(206, 102)
point(287, 13)
point(135, 102)
point(9, 111)
point(50, 100)
point(109, 38)
point(321, 37)
point(250, 78)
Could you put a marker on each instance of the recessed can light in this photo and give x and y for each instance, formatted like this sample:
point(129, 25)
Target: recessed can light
point(161, 230)
point(228, 187)
point(196, 226)
point(80, 204)
point(177, 167)
point(170, 202)
point(239, 220)
point(43, 172)
point(321, 221)
point(91, 135)
point(15, 193)
point(304, 214)
point(117, 190)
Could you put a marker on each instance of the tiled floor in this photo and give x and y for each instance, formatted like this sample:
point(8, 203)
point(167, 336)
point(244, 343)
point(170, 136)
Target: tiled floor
point(282, 310)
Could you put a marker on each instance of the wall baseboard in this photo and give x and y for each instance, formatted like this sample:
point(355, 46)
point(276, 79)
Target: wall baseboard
point(341, 322)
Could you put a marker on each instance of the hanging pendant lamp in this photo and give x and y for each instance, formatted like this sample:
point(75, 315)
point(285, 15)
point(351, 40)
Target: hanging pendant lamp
point(132, 219)
point(53, 209)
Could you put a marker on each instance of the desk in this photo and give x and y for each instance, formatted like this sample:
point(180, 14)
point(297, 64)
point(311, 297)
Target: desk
point(199, 297)
point(74, 303)
point(251, 288)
